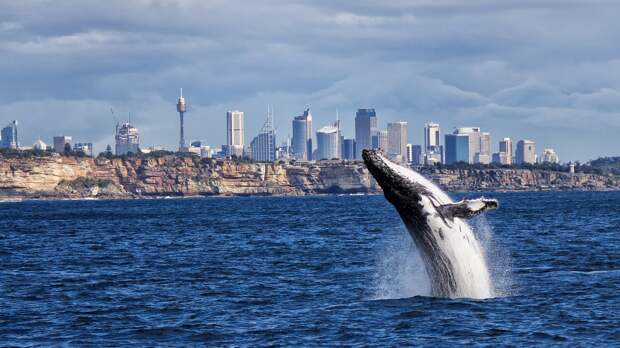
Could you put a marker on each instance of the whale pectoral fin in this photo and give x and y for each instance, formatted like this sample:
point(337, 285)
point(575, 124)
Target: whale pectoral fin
point(467, 208)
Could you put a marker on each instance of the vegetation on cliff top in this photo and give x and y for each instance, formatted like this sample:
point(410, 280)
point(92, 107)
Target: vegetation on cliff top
point(600, 166)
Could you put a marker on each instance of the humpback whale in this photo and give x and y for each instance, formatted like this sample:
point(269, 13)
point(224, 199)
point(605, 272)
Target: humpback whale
point(453, 257)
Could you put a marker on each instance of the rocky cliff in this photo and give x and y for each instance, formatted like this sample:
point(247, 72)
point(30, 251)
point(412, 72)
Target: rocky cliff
point(83, 177)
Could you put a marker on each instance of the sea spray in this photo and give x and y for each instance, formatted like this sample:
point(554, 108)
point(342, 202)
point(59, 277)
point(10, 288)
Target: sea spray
point(497, 257)
point(400, 270)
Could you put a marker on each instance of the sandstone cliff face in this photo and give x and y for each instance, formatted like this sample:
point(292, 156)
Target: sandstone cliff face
point(83, 177)
point(518, 180)
point(75, 177)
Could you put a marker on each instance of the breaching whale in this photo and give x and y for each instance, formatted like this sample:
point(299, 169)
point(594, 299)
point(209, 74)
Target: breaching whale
point(453, 257)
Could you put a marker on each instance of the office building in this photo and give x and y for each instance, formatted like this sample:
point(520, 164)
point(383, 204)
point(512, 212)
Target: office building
point(433, 151)
point(484, 154)
point(416, 155)
point(433, 156)
point(127, 140)
point(200, 148)
point(502, 158)
point(457, 148)
point(263, 146)
point(8, 136)
point(505, 152)
point(473, 134)
point(397, 140)
point(549, 156)
point(85, 148)
point(234, 133)
point(302, 136)
point(379, 139)
point(348, 149)
point(431, 136)
point(526, 152)
point(365, 123)
point(61, 143)
point(327, 139)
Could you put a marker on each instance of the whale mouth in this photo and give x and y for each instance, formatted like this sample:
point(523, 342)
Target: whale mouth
point(396, 185)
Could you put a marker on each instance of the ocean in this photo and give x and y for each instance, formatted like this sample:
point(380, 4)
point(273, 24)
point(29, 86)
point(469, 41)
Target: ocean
point(301, 271)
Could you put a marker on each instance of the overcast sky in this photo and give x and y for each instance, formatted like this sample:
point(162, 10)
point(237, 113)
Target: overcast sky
point(543, 70)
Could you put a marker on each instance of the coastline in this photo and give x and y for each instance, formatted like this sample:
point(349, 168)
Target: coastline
point(177, 176)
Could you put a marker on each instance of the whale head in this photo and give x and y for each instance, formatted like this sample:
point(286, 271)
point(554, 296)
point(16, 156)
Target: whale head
point(401, 186)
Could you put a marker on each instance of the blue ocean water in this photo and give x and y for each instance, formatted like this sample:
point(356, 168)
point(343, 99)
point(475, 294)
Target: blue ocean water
point(300, 271)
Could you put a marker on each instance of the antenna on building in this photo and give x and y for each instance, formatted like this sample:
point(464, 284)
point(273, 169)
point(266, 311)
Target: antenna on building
point(115, 121)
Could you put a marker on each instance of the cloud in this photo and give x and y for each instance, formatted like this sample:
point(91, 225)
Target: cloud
point(525, 69)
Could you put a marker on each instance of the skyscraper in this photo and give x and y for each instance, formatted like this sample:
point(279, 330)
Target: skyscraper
point(365, 123)
point(327, 143)
point(302, 136)
point(61, 142)
point(263, 146)
point(416, 154)
point(431, 136)
point(474, 142)
point(397, 140)
point(9, 136)
point(432, 151)
point(379, 139)
point(526, 152)
point(127, 140)
point(181, 108)
point(234, 133)
point(505, 151)
point(457, 148)
point(348, 149)
point(484, 154)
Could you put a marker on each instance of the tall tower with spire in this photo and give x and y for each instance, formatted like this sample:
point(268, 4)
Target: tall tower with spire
point(181, 108)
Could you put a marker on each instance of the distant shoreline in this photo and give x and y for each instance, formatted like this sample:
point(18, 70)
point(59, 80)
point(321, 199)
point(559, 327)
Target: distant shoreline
point(55, 177)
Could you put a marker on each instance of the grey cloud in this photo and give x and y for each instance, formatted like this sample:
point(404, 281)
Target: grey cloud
point(513, 67)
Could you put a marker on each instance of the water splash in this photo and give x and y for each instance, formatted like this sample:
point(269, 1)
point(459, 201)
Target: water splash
point(498, 258)
point(400, 272)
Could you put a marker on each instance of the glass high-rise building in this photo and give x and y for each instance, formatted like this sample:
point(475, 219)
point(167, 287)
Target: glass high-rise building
point(263, 147)
point(302, 136)
point(457, 148)
point(327, 139)
point(365, 123)
point(416, 154)
point(348, 149)
point(8, 136)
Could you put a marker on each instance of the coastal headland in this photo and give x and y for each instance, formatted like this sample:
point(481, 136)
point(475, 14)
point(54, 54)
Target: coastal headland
point(56, 176)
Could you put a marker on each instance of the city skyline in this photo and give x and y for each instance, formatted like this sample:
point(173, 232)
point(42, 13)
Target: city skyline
point(412, 61)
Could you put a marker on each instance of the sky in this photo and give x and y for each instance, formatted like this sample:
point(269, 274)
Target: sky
point(543, 70)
